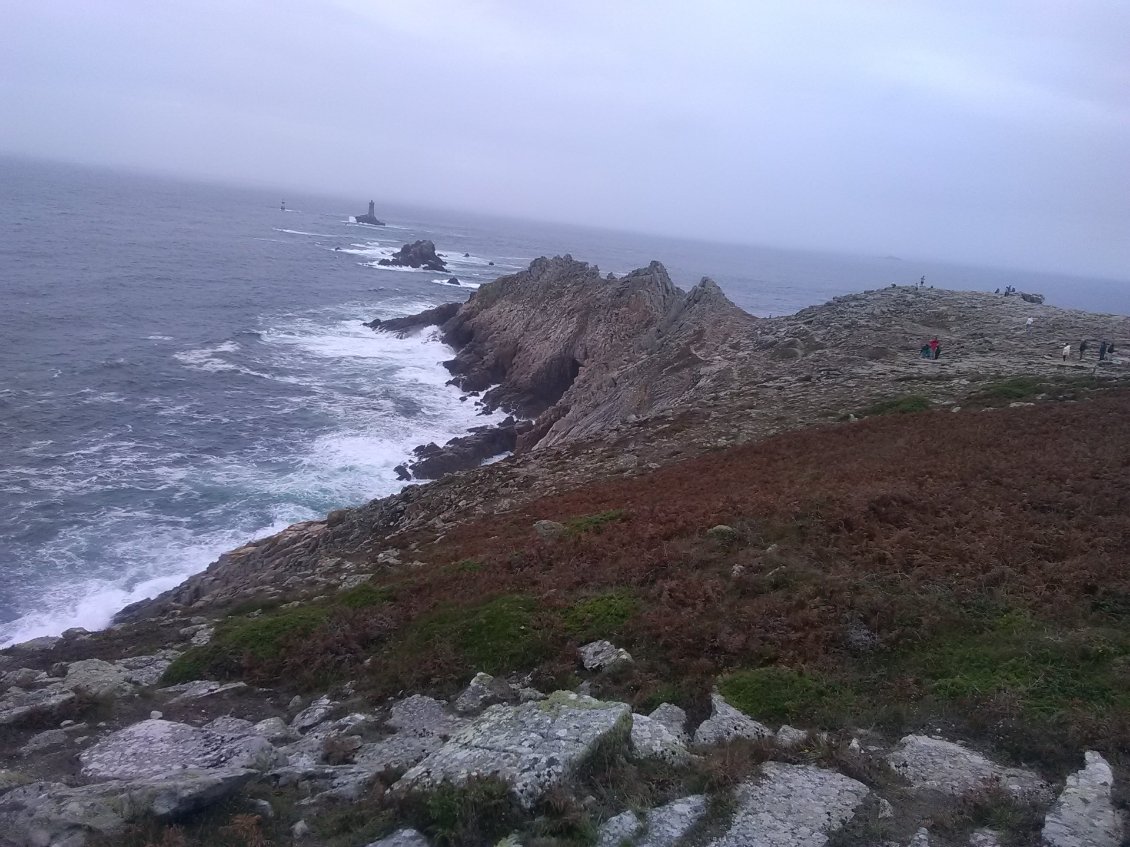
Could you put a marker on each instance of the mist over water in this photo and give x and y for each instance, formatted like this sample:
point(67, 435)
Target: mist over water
point(184, 368)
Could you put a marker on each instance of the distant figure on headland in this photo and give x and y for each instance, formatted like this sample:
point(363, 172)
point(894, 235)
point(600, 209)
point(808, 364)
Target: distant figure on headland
point(922, 282)
point(1066, 351)
point(935, 347)
point(1102, 351)
point(1082, 348)
point(926, 352)
point(1028, 325)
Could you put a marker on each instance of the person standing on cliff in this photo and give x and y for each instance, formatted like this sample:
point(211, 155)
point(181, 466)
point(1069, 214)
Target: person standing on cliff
point(1082, 348)
point(934, 345)
point(1028, 325)
point(1102, 351)
point(1066, 351)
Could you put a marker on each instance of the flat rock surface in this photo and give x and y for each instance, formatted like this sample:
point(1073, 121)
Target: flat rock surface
point(792, 806)
point(952, 769)
point(531, 747)
point(156, 748)
point(1084, 814)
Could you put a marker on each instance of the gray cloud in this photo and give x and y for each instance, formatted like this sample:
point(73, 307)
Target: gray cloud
point(996, 133)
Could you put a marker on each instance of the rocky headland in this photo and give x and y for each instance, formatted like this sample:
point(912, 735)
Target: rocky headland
point(741, 581)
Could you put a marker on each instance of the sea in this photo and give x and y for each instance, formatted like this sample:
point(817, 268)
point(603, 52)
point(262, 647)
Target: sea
point(184, 366)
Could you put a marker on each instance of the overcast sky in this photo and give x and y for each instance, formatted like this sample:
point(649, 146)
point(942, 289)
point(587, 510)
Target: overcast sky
point(981, 131)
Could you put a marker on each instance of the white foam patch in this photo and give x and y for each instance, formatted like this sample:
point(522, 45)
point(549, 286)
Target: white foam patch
point(92, 603)
point(302, 232)
point(460, 284)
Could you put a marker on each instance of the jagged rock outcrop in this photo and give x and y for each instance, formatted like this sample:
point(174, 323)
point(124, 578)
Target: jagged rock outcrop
point(466, 451)
point(952, 769)
point(1084, 815)
point(418, 254)
point(726, 722)
point(579, 352)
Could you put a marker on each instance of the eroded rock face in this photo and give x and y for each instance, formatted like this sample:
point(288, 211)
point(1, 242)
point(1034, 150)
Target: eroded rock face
point(726, 723)
point(531, 747)
point(1084, 815)
point(792, 806)
point(599, 655)
point(157, 748)
point(952, 769)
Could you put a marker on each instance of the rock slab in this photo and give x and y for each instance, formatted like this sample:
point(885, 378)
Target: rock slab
point(1084, 815)
point(952, 769)
point(792, 806)
point(726, 723)
point(531, 747)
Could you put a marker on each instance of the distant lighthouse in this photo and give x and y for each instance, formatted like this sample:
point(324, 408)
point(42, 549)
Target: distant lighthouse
point(282, 206)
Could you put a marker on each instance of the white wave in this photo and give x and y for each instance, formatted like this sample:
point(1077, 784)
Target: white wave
point(158, 338)
point(460, 284)
point(301, 232)
point(92, 603)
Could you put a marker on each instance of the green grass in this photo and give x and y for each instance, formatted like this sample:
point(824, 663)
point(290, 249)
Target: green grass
point(594, 523)
point(1013, 388)
point(1044, 672)
point(237, 639)
point(783, 695)
point(365, 596)
point(498, 636)
point(896, 406)
point(603, 616)
point(479, 811)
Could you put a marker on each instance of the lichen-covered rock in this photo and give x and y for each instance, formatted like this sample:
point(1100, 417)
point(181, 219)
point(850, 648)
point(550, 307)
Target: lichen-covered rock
point(984, 838)
point(97, 678)
point(792, 806)
point(147, 670)
point(201, 688)
point(423, 716)
point(941, 765)
point(49, 814)
point(549, 530)
point(313, 714)
point(402, 838)
point(155, 748)
point(653, 740)
point(598, 655)
point(44, 741)
point(531, 747)
point(1084, 815)
point(672, 717)
point(726, 723)
point(619, 830)
point(921, 838)
point(484, 690)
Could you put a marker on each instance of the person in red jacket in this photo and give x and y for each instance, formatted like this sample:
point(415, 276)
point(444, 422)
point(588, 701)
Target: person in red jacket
point(934, 345)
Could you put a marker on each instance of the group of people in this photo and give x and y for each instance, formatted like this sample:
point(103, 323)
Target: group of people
point(932, 349)
point(1105, 348)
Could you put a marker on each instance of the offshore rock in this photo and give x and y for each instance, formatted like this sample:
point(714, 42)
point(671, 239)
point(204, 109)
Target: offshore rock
point(949, 768)
point(418, 254)
point(532, 747)
point(1084, 815)
point(157, 748)
point(792, 806)
point(405, 326)
point(467, 451)
point(369, 217)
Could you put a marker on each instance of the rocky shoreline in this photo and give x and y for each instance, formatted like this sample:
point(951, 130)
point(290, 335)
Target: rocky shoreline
point(178, 715)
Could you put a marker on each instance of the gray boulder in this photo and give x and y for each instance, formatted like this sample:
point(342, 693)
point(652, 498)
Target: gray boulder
point(423, 716)
point(532, 747)
point(672, 717)
point(49, 814)
point(599, 655)
point(949, 768)
point(660, 827)
point(652, 739)
point(97, 678)
point(550, 530)
point(1084, 815)
point(156, 748)
point(726, 723)
point(313, 714)
point(792, 806)
point(18, 705)
point(484, 690)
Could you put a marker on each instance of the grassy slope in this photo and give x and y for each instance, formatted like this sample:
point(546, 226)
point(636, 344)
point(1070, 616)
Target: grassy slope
point(969, 568)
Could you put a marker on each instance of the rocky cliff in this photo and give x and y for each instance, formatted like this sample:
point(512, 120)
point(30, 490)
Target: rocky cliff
point(750, 581)
point(577, 352)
